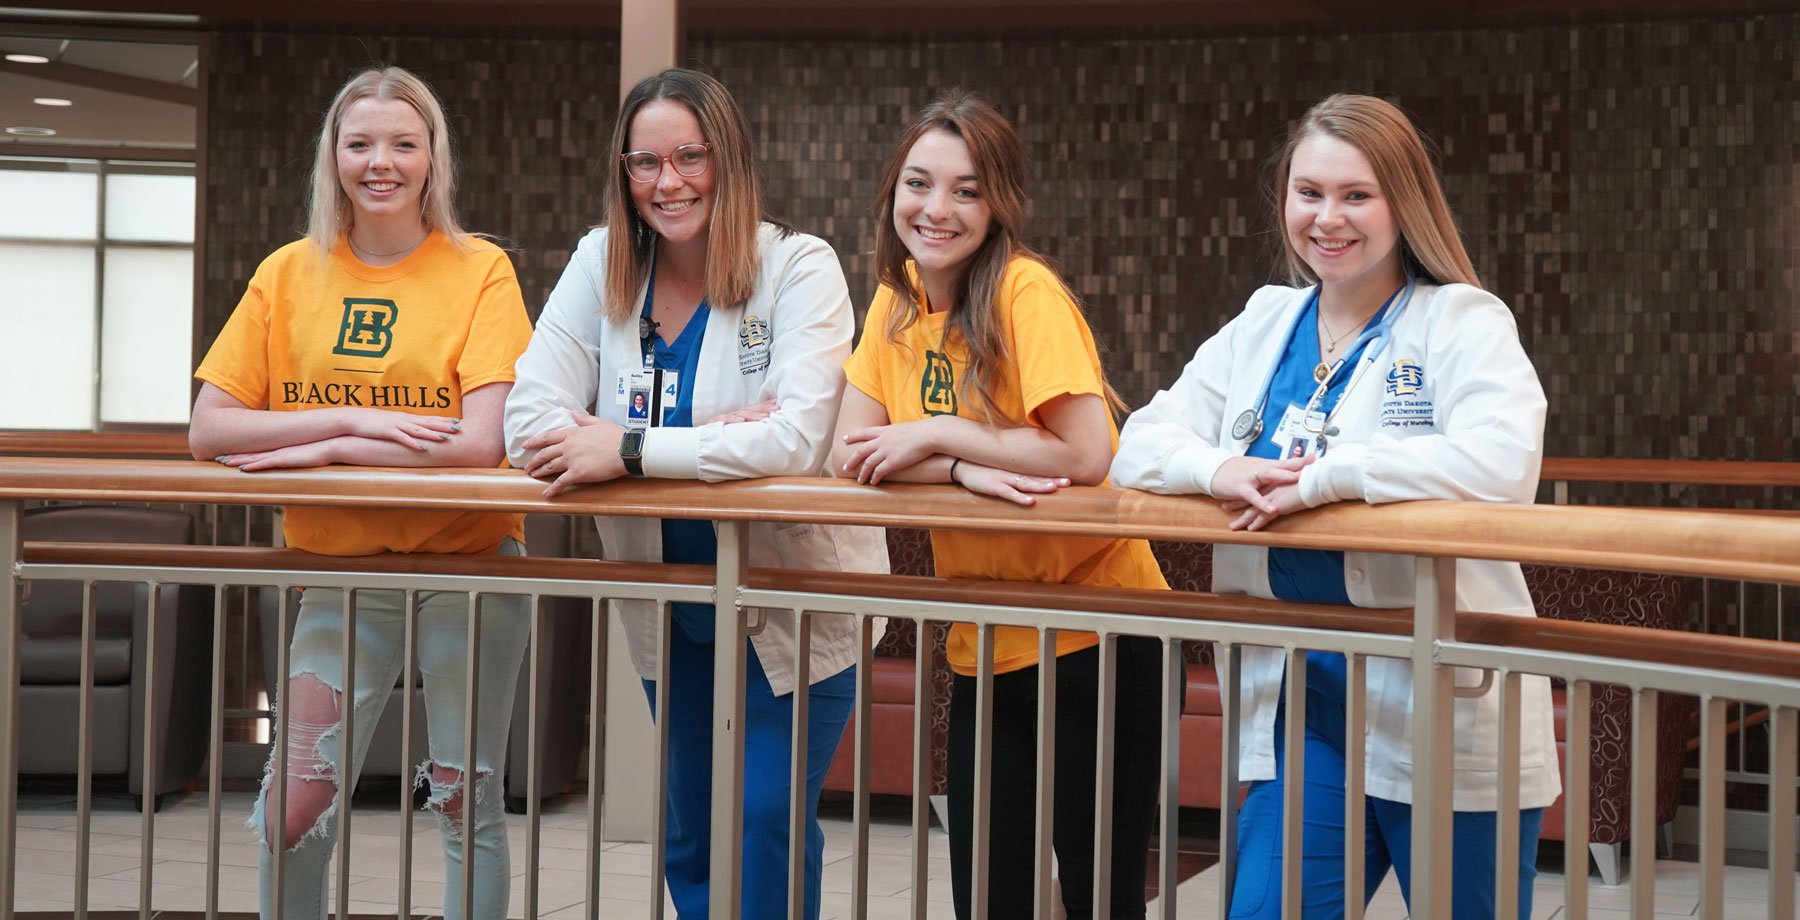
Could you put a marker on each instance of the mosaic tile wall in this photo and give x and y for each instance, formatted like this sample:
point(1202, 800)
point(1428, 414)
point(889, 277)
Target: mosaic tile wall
point(1629, 189)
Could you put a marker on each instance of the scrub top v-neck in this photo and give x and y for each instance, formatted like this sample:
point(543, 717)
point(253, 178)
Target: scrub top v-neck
point(684, 541)
point(1308, 575)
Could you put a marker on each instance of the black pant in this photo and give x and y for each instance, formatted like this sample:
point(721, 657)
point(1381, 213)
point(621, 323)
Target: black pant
point(1012, 804)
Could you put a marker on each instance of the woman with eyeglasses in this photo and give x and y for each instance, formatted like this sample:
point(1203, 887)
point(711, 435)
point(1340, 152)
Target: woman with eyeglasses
point(1385, 373)
point(734, 329)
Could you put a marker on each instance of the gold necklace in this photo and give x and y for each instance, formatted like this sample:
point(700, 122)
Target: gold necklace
point(1322, 372)
point(1333, 340)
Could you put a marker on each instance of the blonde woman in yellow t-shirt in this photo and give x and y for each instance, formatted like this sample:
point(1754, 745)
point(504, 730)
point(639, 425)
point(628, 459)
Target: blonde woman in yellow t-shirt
point(385, 337)
point(976, 367)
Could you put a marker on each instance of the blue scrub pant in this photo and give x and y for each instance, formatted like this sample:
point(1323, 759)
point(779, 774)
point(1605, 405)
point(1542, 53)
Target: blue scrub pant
point(1256, 894)
point(768, 734)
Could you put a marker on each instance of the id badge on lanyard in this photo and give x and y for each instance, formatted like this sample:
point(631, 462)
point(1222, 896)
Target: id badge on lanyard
point(646, 393)
point(1293, 436)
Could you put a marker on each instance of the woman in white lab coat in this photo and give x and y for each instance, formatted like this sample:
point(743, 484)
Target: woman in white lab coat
point(732, 332)
point(1385, 374)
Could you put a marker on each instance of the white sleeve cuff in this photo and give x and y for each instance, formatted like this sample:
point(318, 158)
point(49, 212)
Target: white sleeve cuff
point(1335, 477)
point(672, 453)
point(1192, 468)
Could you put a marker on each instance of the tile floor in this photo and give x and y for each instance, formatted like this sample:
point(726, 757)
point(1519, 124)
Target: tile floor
point(46, 860)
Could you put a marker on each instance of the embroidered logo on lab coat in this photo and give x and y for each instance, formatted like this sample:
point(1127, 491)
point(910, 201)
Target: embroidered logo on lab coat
point(1406, 378)
point(1405, 406)
point(753, 345)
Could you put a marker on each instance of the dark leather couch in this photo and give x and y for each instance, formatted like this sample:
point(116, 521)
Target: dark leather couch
point(50, 659)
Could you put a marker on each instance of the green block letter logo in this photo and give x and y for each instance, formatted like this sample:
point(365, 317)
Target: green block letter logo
point(368, 328)
point(937, 388)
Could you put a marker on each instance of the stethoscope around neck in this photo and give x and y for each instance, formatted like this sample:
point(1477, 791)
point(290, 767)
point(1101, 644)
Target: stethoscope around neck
point(1249, 424)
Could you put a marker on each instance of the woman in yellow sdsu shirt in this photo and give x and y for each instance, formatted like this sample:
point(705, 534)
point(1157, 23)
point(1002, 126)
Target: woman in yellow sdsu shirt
point(386, 337)
point(976, 367)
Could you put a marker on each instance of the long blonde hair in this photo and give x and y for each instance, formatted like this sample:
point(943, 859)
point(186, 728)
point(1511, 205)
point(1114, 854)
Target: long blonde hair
point(330, 215)
point(999, 161)
point(1429, 242)
point(732, 260)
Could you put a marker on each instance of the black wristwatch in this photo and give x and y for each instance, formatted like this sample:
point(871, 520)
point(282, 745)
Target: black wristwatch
point(631, 450)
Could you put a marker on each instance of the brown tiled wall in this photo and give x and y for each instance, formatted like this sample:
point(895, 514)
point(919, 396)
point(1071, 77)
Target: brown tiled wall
point(1628, 189)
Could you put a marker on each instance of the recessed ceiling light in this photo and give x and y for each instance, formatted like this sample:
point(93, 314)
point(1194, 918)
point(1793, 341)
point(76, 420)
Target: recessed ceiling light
point(51, 100)
point(28, 59)
point(31, 132)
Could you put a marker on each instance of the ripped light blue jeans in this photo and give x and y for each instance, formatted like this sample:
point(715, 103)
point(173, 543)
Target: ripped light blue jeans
point(315, 746)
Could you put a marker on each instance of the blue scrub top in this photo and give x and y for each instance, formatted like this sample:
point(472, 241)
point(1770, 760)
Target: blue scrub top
point(1312, 576)
point(685, 541)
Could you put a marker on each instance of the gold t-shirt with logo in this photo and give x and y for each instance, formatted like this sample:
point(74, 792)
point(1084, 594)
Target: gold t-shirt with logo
point(1052, 354)
point(412, 337)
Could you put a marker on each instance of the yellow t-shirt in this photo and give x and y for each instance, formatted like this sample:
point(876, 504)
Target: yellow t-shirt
point(1053, 354)
point(414, 337)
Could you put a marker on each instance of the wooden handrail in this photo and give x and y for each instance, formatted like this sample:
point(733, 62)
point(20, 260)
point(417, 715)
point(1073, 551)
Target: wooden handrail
point(173, 446)
point(1630, 643)
point(1635, 643)
point(1138, 601)
point(141, 445)
point(1678, 472)
point(1755, 548)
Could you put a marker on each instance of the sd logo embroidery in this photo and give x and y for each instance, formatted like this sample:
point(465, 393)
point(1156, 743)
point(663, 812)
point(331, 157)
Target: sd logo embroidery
point(368, 328)
point(1406, 378)
point(753, 345)
point(937, 387)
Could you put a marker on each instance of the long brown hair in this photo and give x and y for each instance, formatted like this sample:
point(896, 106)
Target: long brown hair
point(732, 259)
point(330, 214)
point(999, 161)
point(1429, 242)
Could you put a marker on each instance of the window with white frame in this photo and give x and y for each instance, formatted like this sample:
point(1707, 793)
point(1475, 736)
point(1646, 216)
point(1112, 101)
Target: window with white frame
point(98, 262)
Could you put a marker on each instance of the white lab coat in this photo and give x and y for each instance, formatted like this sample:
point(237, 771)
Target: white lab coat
point(1463, 420)
point(574, 360)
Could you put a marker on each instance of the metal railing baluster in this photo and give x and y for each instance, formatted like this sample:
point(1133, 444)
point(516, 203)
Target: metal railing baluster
point(1104, 745)
point(1293, 786)
point(981, 834)
point(1168, 841)
point(1433, 724)
point(215, 757)
point(471, 753)
point(797, 762)
point(1577, 805)
point(725, 882)
point(84, 755)
point(533, 795)
point(147, 843)
point(1506, 809)
point(1784, 763)
point(1356, 720)
point(1227, 661)
point(1713, 715)
point(1643, 801)
point(408, 679)
point(859, 789)
point(1043, 888)
point(923, 653)
point(346, 745)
